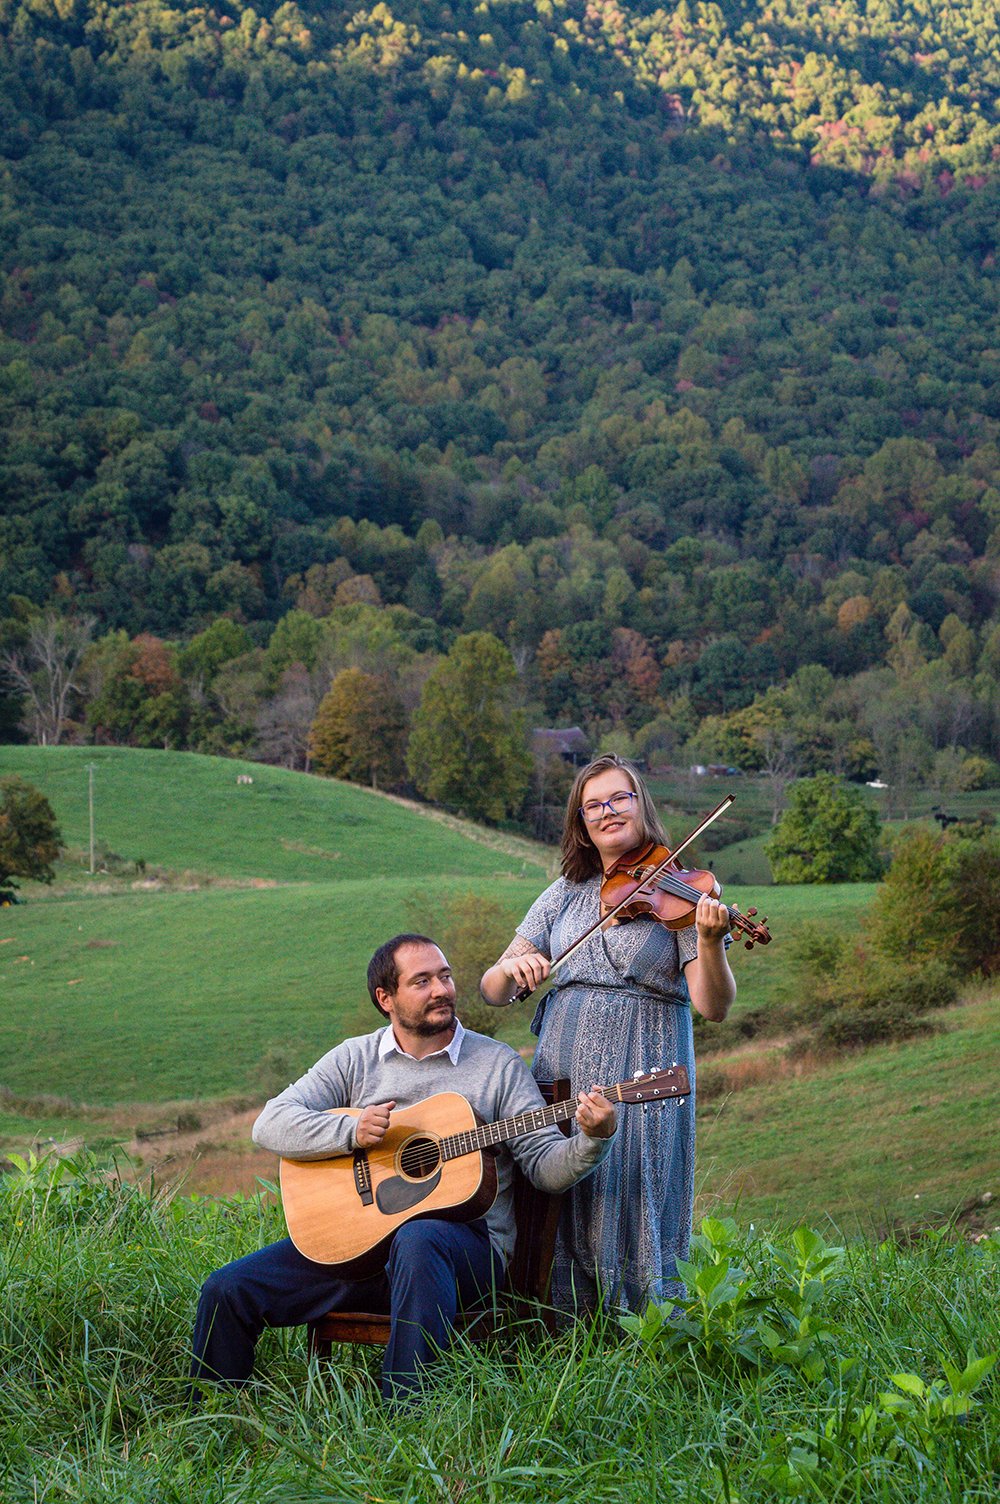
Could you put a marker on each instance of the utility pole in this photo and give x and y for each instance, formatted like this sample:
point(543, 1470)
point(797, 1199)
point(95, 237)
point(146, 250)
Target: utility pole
point(90, 804)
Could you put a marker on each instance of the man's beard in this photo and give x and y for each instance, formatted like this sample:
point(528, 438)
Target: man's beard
point(426, 1030)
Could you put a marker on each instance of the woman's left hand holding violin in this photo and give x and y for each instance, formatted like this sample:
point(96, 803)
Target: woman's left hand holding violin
point(711, 918)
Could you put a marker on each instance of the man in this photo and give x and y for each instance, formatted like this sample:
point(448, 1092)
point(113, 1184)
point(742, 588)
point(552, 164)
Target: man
point(434, 1266)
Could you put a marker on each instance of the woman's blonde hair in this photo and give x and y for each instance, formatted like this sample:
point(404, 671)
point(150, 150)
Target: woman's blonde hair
point(580, 857)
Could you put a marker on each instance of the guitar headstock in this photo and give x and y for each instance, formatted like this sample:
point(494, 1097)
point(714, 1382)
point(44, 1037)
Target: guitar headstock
point(656, 1086)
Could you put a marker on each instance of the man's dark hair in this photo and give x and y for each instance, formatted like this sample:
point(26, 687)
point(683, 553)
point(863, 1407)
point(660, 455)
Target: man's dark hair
point(382, 969)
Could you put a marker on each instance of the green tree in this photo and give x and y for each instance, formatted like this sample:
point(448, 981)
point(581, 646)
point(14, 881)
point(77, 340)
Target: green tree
point(360, 731)
point(828, 834)
point(941, 899)
point(29, 836)
point(467, 747)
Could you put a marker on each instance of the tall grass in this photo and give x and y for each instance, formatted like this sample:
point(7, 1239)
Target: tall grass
point(99, 1279)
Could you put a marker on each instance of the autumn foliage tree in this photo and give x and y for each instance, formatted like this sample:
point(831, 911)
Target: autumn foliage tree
point(467, 747)
point(360, 731)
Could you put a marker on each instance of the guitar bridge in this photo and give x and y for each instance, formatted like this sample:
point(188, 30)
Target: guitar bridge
point(362, 1177)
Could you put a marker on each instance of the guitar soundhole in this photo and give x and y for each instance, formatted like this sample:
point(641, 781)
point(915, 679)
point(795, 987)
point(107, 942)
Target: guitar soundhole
point(419, 1157)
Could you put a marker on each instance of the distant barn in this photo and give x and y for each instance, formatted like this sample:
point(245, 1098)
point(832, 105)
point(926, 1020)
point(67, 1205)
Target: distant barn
point(569, 744)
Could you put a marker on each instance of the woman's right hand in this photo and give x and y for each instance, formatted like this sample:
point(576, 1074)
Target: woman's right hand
point(529, 970)
point(512, 974)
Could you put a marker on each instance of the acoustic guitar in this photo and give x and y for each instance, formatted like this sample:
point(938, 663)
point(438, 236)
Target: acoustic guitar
point(434, 1161)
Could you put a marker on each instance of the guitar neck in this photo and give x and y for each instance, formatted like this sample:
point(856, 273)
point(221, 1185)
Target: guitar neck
point(488, 1135)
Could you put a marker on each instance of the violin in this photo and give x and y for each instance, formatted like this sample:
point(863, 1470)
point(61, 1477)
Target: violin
point(669, 892)
point(652, 881)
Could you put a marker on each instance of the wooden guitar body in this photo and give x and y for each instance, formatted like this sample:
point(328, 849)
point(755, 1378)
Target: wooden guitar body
point(345, 1211)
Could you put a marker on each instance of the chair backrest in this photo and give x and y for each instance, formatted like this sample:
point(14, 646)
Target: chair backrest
point(536, 1214)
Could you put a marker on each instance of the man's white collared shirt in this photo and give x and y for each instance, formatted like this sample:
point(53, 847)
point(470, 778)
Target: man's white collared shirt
point(389, 1045)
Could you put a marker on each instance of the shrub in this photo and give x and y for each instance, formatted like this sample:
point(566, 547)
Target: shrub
point(856, 1028)
point(740, 1027)
point(828, 834)
point(941, 899)
point(859, 997)
point(472, 932)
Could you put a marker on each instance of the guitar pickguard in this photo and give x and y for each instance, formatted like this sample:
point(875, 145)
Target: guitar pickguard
point(398, 1195)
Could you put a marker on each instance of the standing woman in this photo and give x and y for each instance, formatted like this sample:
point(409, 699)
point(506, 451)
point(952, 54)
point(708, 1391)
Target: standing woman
point(619, 1006)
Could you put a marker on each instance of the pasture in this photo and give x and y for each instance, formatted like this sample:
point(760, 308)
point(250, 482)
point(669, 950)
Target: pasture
point(221, 949)
point(193, 986)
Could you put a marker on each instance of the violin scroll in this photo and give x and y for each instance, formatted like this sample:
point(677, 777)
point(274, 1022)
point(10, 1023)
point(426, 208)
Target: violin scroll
point(753, 933)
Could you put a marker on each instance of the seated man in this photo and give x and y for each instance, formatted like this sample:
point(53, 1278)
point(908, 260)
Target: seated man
point(434, 1266)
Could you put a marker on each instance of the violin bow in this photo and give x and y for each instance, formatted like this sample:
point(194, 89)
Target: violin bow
point(630, 898)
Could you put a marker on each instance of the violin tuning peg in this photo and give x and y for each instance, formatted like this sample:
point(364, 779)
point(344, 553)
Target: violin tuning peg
point(751, 913)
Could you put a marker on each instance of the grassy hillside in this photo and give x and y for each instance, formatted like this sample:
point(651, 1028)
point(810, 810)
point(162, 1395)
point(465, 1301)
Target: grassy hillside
point(150, 991)
point(188, 813)
point(900, 1135)
point(238, 954)
point(118, 990)
point(104, 1278)
point(183, 994)
point(167, 995)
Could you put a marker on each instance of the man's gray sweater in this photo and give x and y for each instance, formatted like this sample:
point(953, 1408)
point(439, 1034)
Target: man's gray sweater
point(490, 1075)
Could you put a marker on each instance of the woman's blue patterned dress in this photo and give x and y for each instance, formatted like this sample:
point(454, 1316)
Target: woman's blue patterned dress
point(618, 1008)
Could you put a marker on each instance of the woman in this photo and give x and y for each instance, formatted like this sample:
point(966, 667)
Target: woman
point(618, 1007)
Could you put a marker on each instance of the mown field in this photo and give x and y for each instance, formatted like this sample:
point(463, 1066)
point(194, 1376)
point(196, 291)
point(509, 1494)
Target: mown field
point(215, 974)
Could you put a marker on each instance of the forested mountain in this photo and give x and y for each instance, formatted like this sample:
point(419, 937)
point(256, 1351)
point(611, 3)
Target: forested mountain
point(660, 343)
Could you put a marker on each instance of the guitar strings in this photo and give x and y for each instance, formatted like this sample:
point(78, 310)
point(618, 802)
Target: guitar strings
point(421, 1156)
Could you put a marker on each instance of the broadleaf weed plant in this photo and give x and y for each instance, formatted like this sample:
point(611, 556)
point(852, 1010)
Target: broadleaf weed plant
point(748, 1300)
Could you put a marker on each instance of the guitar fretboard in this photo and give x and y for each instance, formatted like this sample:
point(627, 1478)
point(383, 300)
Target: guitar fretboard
point(487, 1135)
point(490, 1134)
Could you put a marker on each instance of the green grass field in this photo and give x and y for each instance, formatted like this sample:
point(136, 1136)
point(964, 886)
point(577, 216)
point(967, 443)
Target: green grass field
point(897, 1136)
point(116, 990)
point(741, 862)
point(98, 1285)
point(226, 983)
point(187, 813)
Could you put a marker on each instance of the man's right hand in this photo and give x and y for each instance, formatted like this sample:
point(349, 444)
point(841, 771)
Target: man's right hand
point(372, 1125)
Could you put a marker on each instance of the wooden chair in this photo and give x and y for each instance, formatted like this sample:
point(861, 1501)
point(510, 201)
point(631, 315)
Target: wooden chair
point(536, 1216)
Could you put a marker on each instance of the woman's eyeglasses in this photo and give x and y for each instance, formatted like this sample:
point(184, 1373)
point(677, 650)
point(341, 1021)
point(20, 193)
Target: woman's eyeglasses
point(618, 804)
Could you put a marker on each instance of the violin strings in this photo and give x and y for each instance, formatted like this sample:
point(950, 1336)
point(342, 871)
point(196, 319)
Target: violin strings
point(677, 889)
